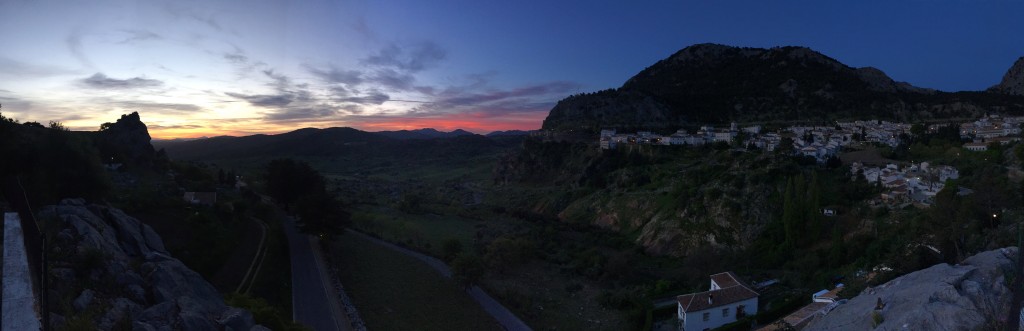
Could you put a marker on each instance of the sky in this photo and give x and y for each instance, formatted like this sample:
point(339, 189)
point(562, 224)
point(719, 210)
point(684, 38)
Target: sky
point(208, 68)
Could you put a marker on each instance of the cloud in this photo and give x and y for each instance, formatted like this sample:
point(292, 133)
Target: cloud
point(410, 59)
point(139, 35)
point(101, 81)
point(178, 126)
point(188, 13)
point(392, 79)
point(280, 80)
point(158, 106)
point(18, 68)
point(236, 58)
point(518, 98)
point(74, 43)
point(318, 112)
point(374, 98)
point(337, 76)
point(267, 101)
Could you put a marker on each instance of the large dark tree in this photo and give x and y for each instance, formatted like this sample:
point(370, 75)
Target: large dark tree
point(295, 183)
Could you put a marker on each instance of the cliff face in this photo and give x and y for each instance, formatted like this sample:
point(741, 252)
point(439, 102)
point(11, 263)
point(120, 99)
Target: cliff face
point(1013, 81)
point(110, 271)
point(971, 296)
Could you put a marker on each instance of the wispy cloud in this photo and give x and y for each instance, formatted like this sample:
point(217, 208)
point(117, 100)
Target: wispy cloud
point(335, 75)
point(303, 114)
point(74, 43)
point(101, 81)
point(134, 36)
point(373, 98)
point(394, 80)
point(158, 106)
point(23, 69)
point(522, 98)
point(266, 101)
point(412, 58)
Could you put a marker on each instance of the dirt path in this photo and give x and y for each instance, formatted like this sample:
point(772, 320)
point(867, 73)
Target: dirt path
point(505, 317)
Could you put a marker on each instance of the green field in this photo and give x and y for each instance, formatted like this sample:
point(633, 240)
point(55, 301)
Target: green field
point(421, 232)
point(393, 291)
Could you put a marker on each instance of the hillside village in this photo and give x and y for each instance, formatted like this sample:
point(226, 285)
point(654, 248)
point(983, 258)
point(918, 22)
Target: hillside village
point(914, 184)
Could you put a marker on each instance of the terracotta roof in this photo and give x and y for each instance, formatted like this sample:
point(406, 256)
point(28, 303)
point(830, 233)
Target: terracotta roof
point(725, 279)
point(699, 301)
point(801, 317)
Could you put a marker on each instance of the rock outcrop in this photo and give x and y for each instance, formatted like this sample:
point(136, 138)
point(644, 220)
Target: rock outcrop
point(1013, 81)
point(126, 141)
point(117, 274)
point(970, 296)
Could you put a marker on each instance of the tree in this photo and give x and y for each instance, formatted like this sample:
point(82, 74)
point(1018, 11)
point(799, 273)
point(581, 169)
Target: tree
point(288, 180)
point(837, 254)
point(451, 248)
point(467, 269)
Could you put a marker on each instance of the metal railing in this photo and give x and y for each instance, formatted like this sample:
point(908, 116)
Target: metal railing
point(35, 244)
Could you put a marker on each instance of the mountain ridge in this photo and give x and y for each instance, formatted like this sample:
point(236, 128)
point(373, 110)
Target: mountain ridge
point(715, 84)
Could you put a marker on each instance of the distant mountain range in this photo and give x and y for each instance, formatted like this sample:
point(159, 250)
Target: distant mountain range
point(713, 84)
point(426, 133)
point(423, 143)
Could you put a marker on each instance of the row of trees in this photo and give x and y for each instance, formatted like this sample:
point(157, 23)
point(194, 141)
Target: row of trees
point(303, 190)
point(801, 211)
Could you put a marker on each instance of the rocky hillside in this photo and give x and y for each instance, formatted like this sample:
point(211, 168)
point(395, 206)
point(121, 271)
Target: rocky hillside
point(709, 83)
point(973, 295)
point(671, 201)
point(1013, 81)
point(109, 271)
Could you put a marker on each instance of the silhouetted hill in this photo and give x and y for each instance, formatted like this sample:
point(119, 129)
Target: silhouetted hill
point(508, 133)
point(426, 133)
point(332, 142)
point(308, 141)
point(710, 84)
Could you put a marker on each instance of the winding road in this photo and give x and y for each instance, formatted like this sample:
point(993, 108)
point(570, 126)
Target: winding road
point(505, 317)
point(312, 296)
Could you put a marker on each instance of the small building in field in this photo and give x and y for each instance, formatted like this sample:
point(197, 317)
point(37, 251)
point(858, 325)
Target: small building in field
point(727, 300)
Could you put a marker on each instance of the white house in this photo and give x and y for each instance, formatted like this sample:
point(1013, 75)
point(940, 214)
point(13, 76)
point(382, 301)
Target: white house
point(725, 302)
point(976, 147)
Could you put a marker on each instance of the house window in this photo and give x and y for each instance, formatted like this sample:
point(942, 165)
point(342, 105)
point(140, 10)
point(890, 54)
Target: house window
point(707, 316)
point(725, 312)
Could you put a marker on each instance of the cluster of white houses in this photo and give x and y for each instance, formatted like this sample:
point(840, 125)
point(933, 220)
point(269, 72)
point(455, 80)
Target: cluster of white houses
point(820, 142)
point(990, 129)
point(916, 183)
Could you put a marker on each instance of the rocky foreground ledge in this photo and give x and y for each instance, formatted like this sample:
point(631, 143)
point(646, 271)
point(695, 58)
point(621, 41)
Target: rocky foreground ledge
point(111, 271)
point(973, 295)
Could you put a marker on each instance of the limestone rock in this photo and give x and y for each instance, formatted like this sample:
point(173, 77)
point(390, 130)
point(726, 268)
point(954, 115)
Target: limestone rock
point(969, 296)
point(1013, 80)
point(161, 293)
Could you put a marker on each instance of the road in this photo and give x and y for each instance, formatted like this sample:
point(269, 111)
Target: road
point(312, 302)
point(505, 317)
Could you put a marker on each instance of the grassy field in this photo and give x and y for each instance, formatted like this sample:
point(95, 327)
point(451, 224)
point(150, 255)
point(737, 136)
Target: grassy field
point(396, 292)
point(423, 232)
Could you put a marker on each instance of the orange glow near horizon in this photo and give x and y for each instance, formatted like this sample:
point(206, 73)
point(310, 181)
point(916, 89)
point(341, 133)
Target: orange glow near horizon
point(479, 123)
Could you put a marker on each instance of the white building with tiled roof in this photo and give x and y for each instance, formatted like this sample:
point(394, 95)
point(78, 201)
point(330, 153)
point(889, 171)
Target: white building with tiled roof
point(725, 302)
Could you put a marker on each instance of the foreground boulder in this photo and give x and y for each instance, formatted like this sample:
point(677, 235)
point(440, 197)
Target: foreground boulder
point(118, 274)
point(973, 295)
